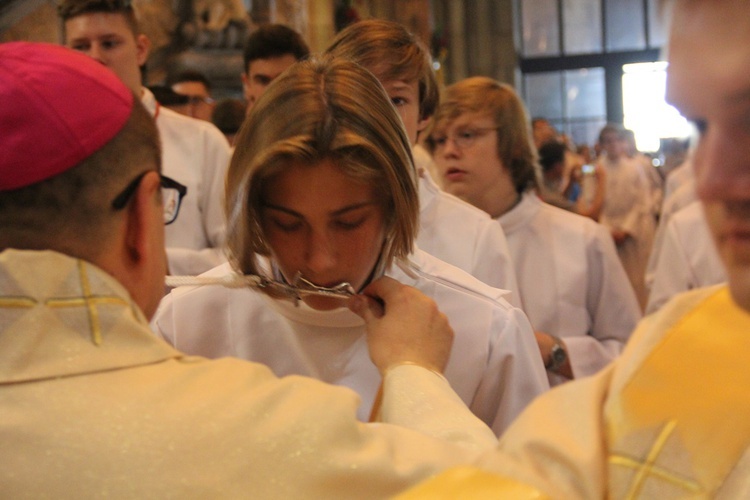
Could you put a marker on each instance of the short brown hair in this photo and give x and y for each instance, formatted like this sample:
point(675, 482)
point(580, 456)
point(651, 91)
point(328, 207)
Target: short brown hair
point(391, 52)
point(323, 108)
point(484, 95)
point(273, 40)
point(69, 9)
point(77, 204)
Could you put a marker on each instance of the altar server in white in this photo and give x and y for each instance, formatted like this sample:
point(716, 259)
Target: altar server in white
point(93, 405)
point(670, 418)
point(322, 186)
point(194, 152)
point(573, 287)
point(628, 208)
point(449, 229)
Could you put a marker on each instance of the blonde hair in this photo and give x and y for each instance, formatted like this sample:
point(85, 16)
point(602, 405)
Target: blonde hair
point(390, 51)
point(321, 109)
point(515, 146)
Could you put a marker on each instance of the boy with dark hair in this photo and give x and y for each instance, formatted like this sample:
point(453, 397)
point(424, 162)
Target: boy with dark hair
point(197, 88)
point(195, 153)
point(269, 50)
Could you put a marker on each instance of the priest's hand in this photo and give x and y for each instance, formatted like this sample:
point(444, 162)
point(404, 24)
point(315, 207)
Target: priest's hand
point(403, 326)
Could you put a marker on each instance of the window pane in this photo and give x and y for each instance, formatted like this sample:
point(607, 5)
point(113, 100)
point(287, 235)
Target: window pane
point(582, 26)
point(585, 93)
point(541, 28)
point(585, 132)
point(645, 110)
point(657, 36)
point(625, 25)
point(544, 95)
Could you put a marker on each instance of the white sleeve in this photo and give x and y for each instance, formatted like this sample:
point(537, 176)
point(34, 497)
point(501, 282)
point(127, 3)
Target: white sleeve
point(191, 262)
point(416, 398)
point(557, 445)
point(612, 304)
point(672, 273)
point(514, 374)
point(217, 156)
point(492, 262)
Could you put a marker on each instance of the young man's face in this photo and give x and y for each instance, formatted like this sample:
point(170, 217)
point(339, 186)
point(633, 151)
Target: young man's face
point(405, 97)
point(107, 37)
point(467, 160)
point(709, 82)
point(260, 74)
point(200, 105)
point(612, 145)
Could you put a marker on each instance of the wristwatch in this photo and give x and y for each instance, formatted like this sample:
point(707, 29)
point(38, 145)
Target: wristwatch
point(557, 357)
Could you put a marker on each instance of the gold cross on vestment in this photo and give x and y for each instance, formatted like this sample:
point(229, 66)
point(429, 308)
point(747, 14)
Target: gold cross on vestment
point(648, 468)
point(89, 301)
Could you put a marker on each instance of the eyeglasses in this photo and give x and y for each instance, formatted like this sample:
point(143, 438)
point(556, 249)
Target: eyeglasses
point(172, 193)
point(463, 139)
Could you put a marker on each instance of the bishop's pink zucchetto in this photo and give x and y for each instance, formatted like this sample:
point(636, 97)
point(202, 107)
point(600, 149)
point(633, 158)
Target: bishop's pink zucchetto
point(58, 108)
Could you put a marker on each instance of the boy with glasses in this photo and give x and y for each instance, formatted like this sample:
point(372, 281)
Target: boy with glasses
point(573, 287)
point(195, 86)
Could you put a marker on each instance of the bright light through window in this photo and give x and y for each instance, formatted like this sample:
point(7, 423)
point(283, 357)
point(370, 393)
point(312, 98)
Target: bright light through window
point(646, 112)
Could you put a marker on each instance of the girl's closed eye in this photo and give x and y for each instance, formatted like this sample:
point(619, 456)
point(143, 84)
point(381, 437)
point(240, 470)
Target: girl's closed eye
point(350, 223)
point(286, 224)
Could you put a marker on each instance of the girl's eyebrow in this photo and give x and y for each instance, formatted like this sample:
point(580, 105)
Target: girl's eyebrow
point(341, 211)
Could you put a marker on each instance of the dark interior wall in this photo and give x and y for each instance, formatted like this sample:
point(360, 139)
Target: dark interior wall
point(469, 37)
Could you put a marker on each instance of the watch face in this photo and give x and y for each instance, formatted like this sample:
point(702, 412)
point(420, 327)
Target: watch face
point(558, 354)
point(557, 358)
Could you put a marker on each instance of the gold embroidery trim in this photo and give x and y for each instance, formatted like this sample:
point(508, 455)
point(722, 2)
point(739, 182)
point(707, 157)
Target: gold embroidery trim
point(88, 301)
point(649, 468)
point(17, 302)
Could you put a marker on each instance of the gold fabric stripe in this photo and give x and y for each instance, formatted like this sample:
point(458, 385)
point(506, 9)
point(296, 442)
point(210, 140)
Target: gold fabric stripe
point(81, 302)
point(17, 302)
point(96, 330)
point(473, 483)
point(703, 357)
